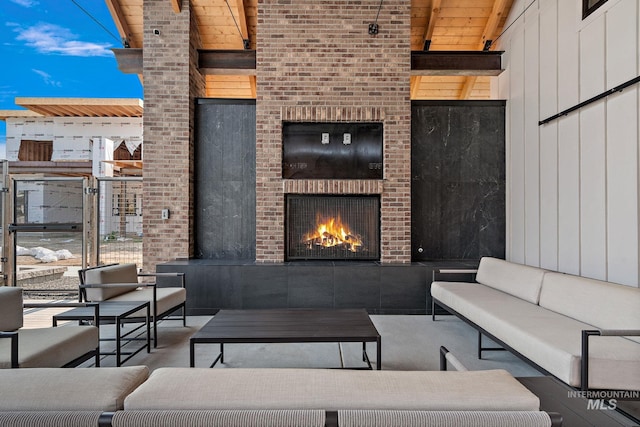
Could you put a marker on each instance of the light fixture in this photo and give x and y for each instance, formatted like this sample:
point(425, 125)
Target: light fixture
point(373, 27)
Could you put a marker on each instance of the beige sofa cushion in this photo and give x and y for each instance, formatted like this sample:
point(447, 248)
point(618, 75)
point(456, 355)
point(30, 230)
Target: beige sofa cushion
point(372, 418)
point(519, 280)
point(549, 339)
point(167, 298)
point(329, 389)
point(80, 389)
point(604, 305)
point(50, 347)
point(220, 418)
point(10, 309)
point(121, 273)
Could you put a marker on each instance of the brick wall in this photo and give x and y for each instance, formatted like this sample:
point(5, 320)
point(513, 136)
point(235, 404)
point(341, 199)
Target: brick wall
point(317, 62)
point(171, 81)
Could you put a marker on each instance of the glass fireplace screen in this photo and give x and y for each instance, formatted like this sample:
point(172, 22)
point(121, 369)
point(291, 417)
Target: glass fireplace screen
point(333, 227)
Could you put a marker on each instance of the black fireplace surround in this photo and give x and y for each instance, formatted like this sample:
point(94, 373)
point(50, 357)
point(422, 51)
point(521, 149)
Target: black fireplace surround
point(457, 215)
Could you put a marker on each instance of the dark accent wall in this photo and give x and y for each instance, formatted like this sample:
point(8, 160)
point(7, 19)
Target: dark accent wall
point(225, 179)
point(380, 288)
point(457, 179)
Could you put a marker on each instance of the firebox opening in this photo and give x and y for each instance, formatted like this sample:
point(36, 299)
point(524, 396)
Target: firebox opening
point(332, 227)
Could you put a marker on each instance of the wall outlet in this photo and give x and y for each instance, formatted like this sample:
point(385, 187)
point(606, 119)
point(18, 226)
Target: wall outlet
point(325, 138)
point(346, 139)
point(165, 214)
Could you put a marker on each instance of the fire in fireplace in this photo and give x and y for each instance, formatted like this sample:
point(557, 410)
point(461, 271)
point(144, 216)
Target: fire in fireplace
point(333, 227)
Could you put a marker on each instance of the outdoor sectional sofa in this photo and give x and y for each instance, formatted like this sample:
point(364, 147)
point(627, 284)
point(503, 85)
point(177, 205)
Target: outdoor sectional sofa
point(553, 320)
point(129, 396)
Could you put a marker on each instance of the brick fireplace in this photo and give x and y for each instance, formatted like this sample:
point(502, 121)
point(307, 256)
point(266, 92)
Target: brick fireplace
point(316, 63)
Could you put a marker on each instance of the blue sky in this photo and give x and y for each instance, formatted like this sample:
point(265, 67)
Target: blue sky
point(51, 48)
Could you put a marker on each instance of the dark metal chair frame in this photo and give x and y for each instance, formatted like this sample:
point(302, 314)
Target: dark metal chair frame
point(156, 316)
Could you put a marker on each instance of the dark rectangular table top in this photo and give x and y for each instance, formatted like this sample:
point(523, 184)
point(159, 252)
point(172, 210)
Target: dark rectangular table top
point(287, 325)
point(107, 310)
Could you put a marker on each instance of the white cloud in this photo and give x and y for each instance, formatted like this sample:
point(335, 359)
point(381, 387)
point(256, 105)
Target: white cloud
point(53, 39)
point(25, 3)
point(47, 78)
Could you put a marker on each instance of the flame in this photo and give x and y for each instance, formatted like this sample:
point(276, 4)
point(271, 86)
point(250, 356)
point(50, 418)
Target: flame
point(332, 232)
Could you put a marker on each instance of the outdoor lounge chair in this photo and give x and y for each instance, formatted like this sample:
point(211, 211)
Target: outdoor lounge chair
point(51, 347)
point(119, 282)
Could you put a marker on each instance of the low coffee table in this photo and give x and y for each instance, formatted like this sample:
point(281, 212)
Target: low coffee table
point(288, 326)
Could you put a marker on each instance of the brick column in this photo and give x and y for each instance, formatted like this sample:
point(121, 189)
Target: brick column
point(317, 58)
point(171, 82)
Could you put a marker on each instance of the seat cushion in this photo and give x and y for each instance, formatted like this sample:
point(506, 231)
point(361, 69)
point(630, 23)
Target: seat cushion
point(11, 308)
point(81, 389)
point(519, 280)
point(168, 298)
point(50, 347)
point(547, 338)
point(330, 389)
point(120, 273)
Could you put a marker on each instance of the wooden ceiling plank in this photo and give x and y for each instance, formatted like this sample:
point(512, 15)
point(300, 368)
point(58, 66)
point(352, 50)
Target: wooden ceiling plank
point(121, 22)
point(416, 82)
point(176, 5)
point(488, 34)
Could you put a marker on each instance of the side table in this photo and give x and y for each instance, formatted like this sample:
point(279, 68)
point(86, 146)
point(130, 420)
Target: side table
point(117, 313)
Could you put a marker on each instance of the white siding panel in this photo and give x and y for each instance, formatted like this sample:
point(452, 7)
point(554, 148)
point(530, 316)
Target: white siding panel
point(569, 194)
point(549, 196)
point(532, 142)
point(517, 167)
point(621, 42)
point(548, 61)
point(622, 186)
point(593, 197)
point(568, 56)
point(592, 59)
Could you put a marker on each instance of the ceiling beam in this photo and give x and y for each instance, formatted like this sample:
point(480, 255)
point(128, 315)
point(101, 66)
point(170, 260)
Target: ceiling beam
point(121, 23)
point(456, 63)
point(210, 60)
point(435, 11)
point(488, 36)
point(242, 20)
point(243, 62)
point(176, 5)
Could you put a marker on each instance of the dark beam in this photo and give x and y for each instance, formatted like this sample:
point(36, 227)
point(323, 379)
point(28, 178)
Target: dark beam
point(431, 63)
point(129, 60)
point(211, 61)
point(456, 63)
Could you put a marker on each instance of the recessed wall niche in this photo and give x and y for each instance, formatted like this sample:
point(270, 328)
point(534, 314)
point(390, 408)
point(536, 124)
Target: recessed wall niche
point(332, 150)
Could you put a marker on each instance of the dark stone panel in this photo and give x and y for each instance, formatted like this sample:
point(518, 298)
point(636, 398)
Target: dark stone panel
point(381, 289)
point(310, 286)
point(357, 287)
point(264, 286)
point(225, 179)
point(403, 287)
point(458, 180)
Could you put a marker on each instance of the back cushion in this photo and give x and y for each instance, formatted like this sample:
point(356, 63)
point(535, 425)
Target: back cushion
point(604, 305)
point(10, 308)
point(519, 280)
point(121, 273)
